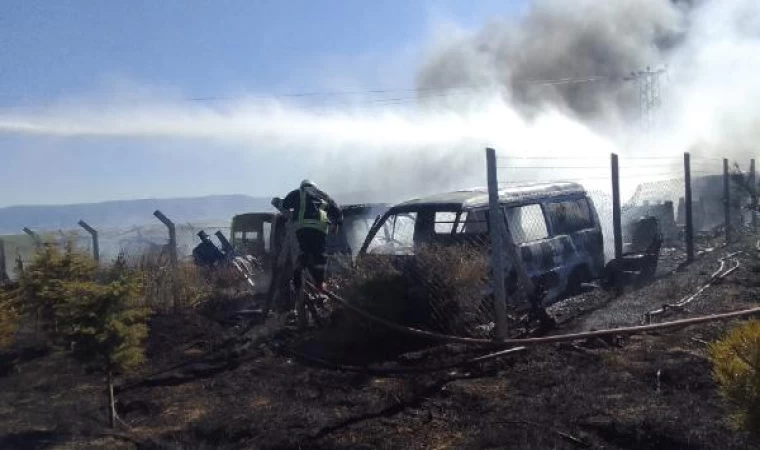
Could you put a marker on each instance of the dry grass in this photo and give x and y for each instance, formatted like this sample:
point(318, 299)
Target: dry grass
point(168, 287)
point(440, 287)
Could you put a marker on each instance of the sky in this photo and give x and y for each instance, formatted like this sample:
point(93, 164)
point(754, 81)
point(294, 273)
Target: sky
point(84, 52)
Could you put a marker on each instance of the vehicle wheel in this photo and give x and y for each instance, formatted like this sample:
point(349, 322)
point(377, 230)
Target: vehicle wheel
point(649, 270)
point(546, 323)
point(577, 277)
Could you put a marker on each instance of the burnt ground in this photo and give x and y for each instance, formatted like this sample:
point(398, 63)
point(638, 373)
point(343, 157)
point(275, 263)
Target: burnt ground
point(201, 389)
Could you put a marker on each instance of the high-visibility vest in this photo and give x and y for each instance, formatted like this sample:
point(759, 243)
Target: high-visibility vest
point(321, 223)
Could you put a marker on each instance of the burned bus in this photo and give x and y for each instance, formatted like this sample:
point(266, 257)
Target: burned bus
point(259, 235)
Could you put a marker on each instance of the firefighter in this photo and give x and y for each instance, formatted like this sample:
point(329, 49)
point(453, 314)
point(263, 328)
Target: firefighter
point(314, 213)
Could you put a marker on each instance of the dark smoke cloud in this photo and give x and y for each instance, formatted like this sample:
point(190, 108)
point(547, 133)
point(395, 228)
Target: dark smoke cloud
point(559, 39)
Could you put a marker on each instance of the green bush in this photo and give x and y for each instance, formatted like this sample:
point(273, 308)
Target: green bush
point(736, 368)
point(43, 282)
point(106, 325)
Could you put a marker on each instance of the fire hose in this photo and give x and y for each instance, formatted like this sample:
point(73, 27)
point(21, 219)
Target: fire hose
point(719, 274)
point(399, 370)
point(507, 343)
point(508, 346)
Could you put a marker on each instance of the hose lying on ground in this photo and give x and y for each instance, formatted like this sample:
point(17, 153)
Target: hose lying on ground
point(506, 343)
point(399, 370)
point(719, 274)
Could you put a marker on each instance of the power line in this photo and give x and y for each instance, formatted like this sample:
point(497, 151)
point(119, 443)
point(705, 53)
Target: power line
point(442, 90)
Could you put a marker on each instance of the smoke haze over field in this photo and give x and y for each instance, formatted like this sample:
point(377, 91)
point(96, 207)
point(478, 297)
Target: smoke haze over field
point(479, 88)
point(555, 40)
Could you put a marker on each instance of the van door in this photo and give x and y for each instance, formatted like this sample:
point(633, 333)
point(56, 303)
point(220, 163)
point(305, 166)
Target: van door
point(529, 230)
point(577, 239)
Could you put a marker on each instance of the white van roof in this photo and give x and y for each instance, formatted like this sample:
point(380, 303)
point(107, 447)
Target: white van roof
point(517, 193)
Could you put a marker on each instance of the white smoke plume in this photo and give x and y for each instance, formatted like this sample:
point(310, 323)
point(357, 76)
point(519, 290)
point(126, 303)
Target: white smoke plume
point(480, 88)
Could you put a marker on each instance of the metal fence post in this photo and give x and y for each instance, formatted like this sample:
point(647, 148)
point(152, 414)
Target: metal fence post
point(172, 236)
point(285, 259)
point(688, 207)
point(94, 233)
point(617, 227)
point(753, 193)
point(497, 246)
point(3, 272)
point(35, 237)
point(727, 200)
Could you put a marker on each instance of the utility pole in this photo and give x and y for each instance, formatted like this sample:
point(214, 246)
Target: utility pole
point(650, 98)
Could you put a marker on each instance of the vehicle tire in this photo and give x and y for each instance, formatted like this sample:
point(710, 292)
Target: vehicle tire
point(649, 270)
point(546, 323)
point(577, 277)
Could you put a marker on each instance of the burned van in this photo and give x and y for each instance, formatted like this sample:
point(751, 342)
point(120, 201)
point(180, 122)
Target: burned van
point(555, 227)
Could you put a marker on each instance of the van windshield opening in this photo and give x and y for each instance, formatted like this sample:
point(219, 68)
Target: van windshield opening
point(395, 235)
point(356, 229)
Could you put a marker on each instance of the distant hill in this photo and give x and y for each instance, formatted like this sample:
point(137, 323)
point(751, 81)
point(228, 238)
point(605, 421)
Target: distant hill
point(126, 213)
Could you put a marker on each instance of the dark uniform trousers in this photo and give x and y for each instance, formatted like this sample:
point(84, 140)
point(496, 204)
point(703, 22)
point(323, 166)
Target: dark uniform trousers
point(312, 257)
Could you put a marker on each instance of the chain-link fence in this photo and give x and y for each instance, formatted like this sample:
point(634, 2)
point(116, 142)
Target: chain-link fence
point(566, 216)
point(573, 220)
point(146, 248)
point(648, 186)
point(442, 287)
point(131, 241)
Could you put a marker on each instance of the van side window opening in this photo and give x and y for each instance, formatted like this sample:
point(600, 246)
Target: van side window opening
point(460, 223)
point(444, 222)
point(396, 231)
point(569, 216)
point(526, 223)
point(473, 222)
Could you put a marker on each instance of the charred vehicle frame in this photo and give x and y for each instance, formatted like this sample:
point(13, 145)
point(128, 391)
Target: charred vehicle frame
point(555, 227)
